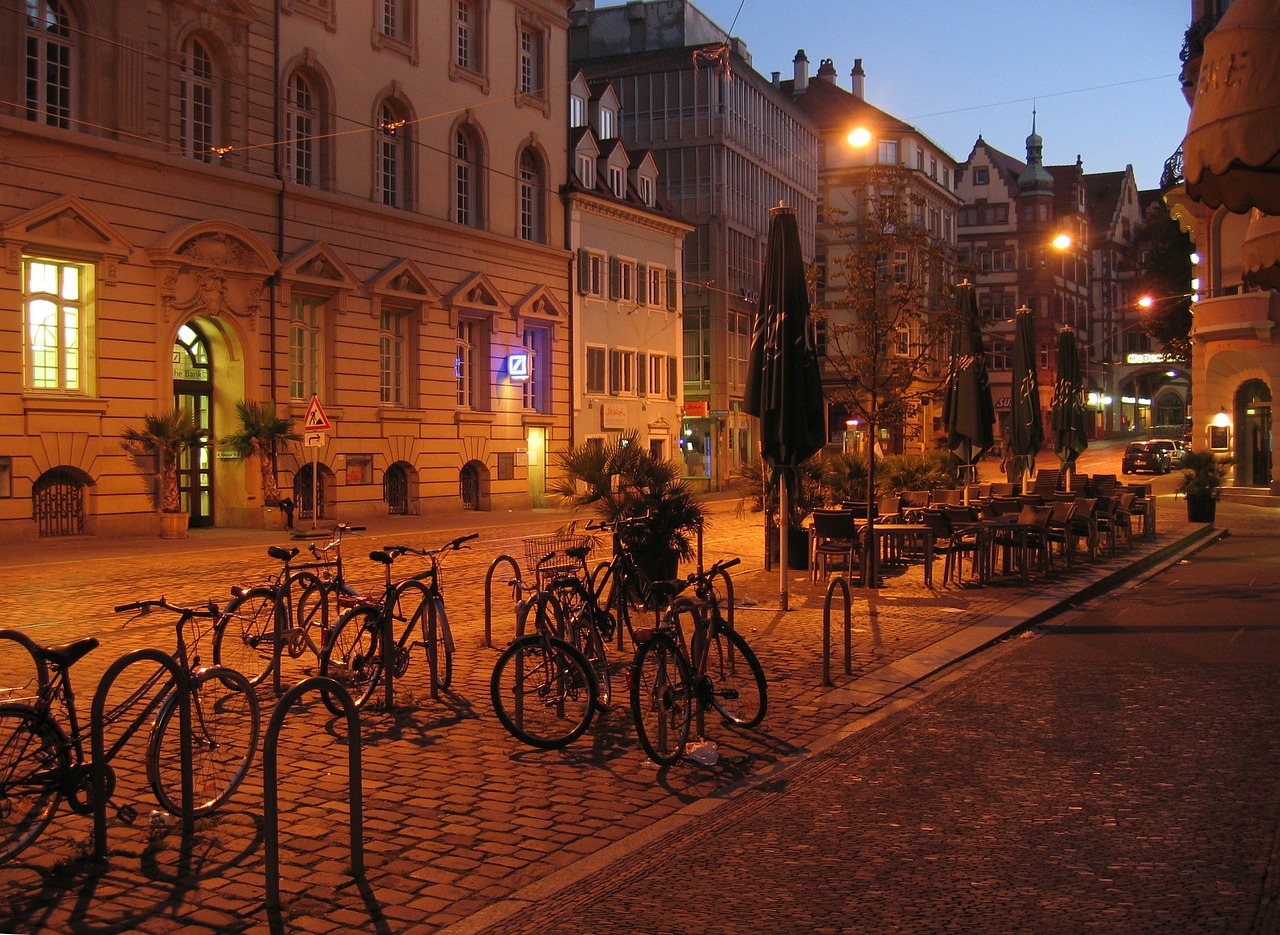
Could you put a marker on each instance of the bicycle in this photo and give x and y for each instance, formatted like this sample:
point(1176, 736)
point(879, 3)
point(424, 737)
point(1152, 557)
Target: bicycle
point(618, 583)
point(588, 624)
point(41, 764)
point(245, 638)
point(714, 669)
point(543, 689)
point(353, 650)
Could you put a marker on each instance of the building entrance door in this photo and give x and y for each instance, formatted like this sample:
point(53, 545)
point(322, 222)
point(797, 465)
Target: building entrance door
point(193, 391)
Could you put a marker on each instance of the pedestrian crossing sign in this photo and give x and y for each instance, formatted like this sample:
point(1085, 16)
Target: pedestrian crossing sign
point(315, 420)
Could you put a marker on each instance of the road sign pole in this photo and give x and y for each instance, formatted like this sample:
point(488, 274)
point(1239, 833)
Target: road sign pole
point(315, 488)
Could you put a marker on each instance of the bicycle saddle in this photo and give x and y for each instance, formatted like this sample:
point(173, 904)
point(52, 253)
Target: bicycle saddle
point(66, 655)
point(281, 553)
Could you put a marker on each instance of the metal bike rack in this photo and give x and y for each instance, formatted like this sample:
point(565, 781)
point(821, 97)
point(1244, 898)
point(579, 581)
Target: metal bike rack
point(488, 594)
point(98, 744)
point(42, 670)
point(826, 629)
point(271, 780)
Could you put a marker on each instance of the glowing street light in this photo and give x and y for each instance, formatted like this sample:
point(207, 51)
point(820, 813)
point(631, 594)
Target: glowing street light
point(859, 137)
point(1062, 242)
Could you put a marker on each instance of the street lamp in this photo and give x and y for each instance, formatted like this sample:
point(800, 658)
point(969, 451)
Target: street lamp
point(859, 137)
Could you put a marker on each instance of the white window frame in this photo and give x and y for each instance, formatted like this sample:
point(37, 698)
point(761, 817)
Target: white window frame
point(656, 290)
point(586, 170)
point(52, 65)
point(198, 100)
point(394, 357)
point(307, 335)
point(58, 325)
point(531, 197)
point(391, 156)
point(302, 121)
point(622, 372)
point(531, 66)
point(658, 371)
point(626, 280)
point(617, 181)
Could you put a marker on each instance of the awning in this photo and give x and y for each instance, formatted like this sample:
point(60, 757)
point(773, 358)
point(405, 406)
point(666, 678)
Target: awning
point(1260, 252)
point(1231, 153)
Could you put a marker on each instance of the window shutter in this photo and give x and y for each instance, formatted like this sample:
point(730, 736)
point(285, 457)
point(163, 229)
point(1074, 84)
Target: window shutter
point(671, 290)
point(673, 376)
point(615, 277)
point(642, 374)
point(642, 284)
point(615, 372)
point(584, 271)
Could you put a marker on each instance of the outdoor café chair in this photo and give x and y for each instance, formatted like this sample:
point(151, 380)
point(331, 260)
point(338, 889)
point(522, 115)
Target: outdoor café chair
point(1058, 530)
point(1025, 538)
point(1084, 525)
point(835, 538)
point(952, 543)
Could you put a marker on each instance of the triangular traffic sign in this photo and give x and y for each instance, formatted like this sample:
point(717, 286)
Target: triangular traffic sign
point(315, 420)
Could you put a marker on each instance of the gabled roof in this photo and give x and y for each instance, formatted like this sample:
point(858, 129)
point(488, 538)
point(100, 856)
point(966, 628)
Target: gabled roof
point(831, 106)
point(1102, 191)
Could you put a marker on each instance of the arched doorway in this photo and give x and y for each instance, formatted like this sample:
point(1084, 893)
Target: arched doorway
point(395, 489)
point(304, 489)
point(471, 485)
point(57, 503)
point(1253, 434)
point(193, 391)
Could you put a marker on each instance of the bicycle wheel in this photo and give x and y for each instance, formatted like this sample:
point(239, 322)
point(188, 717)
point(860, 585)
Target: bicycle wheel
point(244, 637)
point(224, 738)
point(542, 691)
point(425, 614)
point(353, 656)
point(314, 613)
point(662, 699)
point(33, 755)
point(737, 684)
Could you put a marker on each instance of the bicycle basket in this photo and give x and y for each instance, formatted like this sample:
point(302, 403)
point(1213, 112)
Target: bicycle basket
point(538, 548)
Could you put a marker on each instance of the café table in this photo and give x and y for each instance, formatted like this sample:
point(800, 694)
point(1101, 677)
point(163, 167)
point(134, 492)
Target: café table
point(900, 535)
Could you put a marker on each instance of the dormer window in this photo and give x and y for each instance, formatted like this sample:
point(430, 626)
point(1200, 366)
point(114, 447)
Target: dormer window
point(617, 182)
point(577, 111)
point(645, 185)
point(607, 121)
point(587, 170)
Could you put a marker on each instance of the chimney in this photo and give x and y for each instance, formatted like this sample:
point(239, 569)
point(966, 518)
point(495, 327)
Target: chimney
point(858, 76)
point(802, 73)
point(827, 71)
point(777, 79)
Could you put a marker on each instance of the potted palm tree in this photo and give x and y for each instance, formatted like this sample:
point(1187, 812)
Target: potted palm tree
point(1203, 474)
point(621, 480)
point(263, 434)
point(167, 436)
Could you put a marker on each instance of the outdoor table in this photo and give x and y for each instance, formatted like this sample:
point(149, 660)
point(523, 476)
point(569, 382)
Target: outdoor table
point(1018, 542)
point(900, 534)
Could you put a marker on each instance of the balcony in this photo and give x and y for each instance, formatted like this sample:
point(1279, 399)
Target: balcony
point(1246, 316)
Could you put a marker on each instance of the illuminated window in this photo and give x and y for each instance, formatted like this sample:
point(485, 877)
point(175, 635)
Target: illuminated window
point(57, 306)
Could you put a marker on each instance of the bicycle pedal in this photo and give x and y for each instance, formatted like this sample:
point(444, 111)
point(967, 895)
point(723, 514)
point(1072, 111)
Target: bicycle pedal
point(127, 814)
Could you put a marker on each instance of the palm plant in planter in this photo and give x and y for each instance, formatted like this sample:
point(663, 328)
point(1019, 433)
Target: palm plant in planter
point(1203, 474)
point(168, 436)
point(265, 434)
point(621, 480)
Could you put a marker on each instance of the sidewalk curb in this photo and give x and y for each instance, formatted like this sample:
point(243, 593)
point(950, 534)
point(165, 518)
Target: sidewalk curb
point(884, 691)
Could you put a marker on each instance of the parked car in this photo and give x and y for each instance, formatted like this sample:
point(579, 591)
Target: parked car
point(1155, 456)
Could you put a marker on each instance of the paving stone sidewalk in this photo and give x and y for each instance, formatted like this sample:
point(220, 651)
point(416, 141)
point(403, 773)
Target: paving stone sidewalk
point(457, 813)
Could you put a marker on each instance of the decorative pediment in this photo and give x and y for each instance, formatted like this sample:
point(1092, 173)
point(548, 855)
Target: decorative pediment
point(65, 226)
point(402, 281)
point(475, 295)
point(213, 268)
point(318, 266)
point(540, 303)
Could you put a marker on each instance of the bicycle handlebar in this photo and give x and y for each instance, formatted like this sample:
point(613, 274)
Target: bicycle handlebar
point(145, 607)
point(620, 523)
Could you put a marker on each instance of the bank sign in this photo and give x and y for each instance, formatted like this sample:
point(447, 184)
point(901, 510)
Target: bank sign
point(1146, 358)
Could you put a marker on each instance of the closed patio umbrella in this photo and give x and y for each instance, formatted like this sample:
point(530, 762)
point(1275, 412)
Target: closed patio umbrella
point(1026, 427)
point(1066, 411)
point(784, 382)
point(967, 410)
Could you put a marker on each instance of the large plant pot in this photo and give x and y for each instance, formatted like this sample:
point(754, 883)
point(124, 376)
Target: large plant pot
point(1201, 509)
point(174, 525)
point(797, 548)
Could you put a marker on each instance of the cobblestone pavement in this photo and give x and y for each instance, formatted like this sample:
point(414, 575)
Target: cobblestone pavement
point(458, 815)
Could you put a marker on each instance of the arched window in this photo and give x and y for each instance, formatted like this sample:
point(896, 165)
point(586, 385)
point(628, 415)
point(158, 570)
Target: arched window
point(301, 126)
point(196, 103)
point(391, 157)
point(50, 65)
point(532, 207)
point(468, 177)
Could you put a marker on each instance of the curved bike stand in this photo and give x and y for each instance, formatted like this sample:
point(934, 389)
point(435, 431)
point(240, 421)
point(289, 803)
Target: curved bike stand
point(488, 594)
point(271, 779)
point(27, 643)
point(826, 629)
point(98, 745)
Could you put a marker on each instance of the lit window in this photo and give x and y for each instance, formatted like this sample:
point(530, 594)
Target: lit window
point(57, 304)
point(617, 182)
point(646, 190)
point(586, 170)
point(577, 110)
point(607, 121)
point(196, 101)
point(50, 60)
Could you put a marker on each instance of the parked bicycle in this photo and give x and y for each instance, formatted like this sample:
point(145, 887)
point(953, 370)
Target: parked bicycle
point(618, 583)
point(291, 615)
point(588, 623)
point(41, 764)
point(543, 689)
point(672, 680)
point(353, 650)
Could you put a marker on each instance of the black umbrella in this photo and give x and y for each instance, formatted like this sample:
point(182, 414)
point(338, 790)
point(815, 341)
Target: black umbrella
point(967, 410)
point(1026, 427)
point(784, 381)
point(1066, 412)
